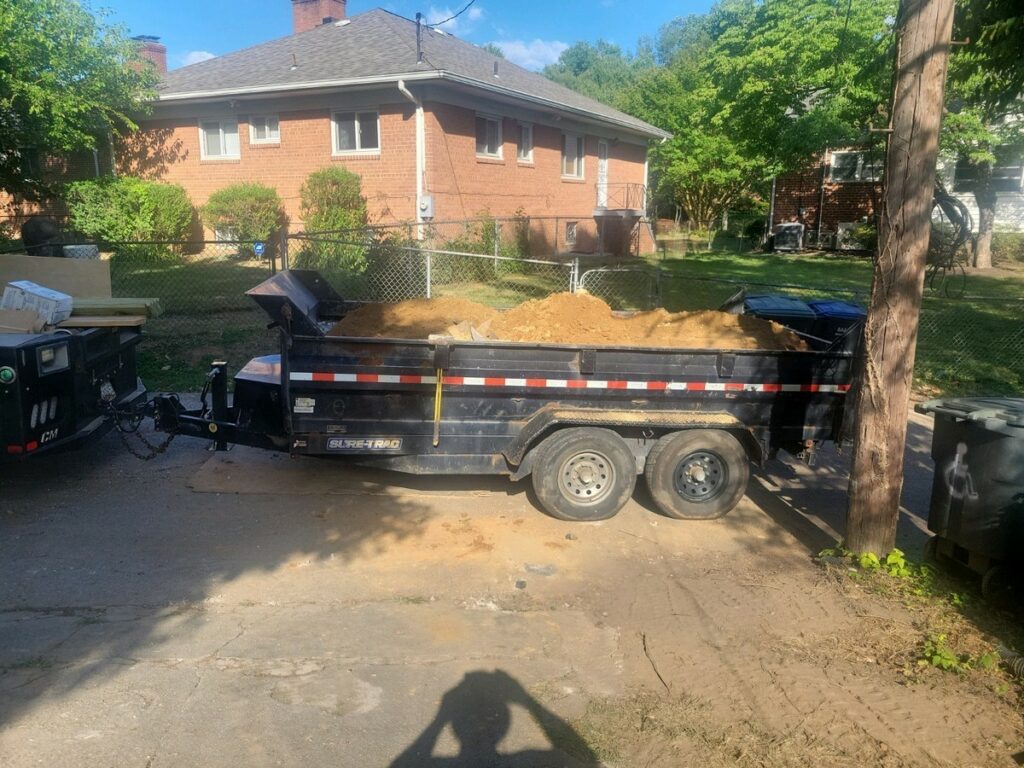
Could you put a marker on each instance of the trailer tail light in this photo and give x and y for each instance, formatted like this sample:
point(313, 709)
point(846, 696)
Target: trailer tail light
point(15, 449)
point(31, 446)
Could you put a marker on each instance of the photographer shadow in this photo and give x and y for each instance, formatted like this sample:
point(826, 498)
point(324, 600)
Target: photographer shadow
point(479, 711)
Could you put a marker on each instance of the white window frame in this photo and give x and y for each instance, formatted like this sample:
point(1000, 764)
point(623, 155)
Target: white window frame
point(266, 120)
point(355, 118)
point(500, 138)
point(581, 146)
point(220, 121)
point(861, 165)
point(525, 129)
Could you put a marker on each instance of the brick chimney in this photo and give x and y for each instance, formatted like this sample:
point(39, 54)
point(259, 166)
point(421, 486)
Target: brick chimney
point(307, 14)
point(151, 49)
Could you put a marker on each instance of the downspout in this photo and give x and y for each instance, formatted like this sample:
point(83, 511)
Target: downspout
point(421, 147)
point(771, 211)
point(821, 197)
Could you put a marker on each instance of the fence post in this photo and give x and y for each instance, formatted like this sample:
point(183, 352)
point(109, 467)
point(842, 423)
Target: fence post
point(284, 248)
point(429, 255)
point(574, 275)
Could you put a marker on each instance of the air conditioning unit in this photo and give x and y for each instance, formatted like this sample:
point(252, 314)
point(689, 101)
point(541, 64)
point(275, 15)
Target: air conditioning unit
point(789, 237)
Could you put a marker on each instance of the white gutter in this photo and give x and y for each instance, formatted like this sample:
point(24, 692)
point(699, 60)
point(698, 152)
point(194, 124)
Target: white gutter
point(438, 74)
point(421, 147)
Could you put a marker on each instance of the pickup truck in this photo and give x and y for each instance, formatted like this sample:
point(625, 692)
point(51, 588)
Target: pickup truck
point(583, 422)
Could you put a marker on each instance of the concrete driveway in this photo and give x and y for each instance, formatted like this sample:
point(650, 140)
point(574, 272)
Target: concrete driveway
point(251, 609)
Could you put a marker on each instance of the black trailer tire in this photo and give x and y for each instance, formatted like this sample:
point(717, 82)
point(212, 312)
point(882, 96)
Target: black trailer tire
point(697, 474)
point(583, 474)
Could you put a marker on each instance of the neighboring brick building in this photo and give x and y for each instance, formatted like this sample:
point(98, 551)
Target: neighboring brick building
point(842, 188)
point(831, 196)
point(437, 129)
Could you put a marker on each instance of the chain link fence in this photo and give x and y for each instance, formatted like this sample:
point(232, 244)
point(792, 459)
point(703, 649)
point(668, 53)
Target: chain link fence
point(967, 345)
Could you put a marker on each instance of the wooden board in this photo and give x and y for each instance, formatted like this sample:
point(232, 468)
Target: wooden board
point(147, 307)
point(84, 278)
point(103, 321)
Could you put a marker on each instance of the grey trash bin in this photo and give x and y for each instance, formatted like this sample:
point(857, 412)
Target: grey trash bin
point(977, 505)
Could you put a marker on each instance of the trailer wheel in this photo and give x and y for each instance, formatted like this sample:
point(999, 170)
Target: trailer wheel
point(584, 474)
point(699, 474)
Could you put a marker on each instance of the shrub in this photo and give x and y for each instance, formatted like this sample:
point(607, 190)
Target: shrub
point(332, 200)
point(249, 212)
point(1007, 246)
point(129, 209)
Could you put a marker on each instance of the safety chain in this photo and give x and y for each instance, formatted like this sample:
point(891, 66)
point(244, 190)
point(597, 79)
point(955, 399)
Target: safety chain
point(127, 423)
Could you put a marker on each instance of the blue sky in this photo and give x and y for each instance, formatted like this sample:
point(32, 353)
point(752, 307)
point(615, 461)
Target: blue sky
point(531, 32)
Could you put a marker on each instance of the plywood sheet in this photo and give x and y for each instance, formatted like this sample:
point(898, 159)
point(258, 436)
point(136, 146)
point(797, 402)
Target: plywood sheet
point(81, 278)
point(103, 321)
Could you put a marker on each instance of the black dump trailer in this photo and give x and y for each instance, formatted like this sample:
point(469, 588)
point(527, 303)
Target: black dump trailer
point(59, 388)
point(583, 421)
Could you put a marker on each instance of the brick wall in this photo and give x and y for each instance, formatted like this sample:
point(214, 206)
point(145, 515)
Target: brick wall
point(464, 184)
point(168, 149)
point(798, 197)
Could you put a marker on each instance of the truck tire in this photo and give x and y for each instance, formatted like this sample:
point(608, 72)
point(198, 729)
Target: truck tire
point(698, 474)
point(583, 474)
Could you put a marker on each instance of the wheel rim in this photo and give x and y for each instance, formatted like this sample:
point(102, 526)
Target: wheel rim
point(700, 476)
point(586, 477)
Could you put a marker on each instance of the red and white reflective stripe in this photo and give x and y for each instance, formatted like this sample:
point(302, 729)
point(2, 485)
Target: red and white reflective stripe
point(504, 382)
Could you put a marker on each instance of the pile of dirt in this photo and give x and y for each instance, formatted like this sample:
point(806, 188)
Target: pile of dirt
point(413, 319)
point(566, 318)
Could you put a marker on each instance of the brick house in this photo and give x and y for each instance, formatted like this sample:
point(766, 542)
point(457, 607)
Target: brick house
point(843, 186)
point(436, 128)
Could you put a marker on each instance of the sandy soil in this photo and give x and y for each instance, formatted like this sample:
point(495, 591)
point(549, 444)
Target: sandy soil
point(566, 318)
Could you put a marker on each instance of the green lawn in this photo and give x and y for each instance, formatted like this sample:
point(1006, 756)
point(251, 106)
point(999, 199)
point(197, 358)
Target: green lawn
point(969, 345)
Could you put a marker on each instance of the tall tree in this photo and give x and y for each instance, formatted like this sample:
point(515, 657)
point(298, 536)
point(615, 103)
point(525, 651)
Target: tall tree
point(67, 81)
point(986, 86)
point(795, 76)
point(882, 397)
point(599, 70)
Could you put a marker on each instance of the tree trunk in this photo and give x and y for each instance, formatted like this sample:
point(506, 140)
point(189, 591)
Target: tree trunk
point(881, 400)
point(986, 197)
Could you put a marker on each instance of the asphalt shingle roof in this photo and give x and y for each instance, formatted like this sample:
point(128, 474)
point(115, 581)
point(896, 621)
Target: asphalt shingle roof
point(375, 44)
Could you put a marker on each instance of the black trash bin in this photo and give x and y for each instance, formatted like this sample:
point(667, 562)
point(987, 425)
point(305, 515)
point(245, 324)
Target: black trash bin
point(977, 505)
point(840, 322)
point(795, 314)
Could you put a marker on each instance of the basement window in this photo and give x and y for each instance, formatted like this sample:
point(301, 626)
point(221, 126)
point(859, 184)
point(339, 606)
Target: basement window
point(570, 232)
point(264, 129)
point(356, 133)
point(488, 136)
point(218, 139)
point(572, 156)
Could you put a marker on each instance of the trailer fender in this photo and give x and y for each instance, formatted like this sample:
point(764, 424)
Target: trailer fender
point(519, 454)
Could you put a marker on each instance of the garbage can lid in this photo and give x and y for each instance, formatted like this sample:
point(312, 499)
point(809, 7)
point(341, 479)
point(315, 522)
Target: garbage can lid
point(775, 305)
point(996, 414)
point(843, 310)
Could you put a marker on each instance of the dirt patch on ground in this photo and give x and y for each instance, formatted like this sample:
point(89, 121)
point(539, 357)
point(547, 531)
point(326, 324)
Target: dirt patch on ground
point(567, 318)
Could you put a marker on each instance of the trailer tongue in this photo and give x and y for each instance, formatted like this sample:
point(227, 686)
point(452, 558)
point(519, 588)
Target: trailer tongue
point(583, 421)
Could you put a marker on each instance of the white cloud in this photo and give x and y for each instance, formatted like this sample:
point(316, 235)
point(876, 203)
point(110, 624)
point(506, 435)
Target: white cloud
point(461, 25)
point(194, 57)
point(535, 54)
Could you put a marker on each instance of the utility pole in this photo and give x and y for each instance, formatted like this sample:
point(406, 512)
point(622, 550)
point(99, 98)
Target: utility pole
point(885, 370)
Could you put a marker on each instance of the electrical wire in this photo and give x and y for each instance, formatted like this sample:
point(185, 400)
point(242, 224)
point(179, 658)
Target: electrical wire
point(452, 17)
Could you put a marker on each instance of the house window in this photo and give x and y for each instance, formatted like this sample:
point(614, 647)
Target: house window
point(524, 149)
point(488, 136)
point(1007, 172)
point(570, 232)
point(854, 166)
point(31, 163)
point(356, 132)
point(218, 139)
point(264, 129)
point(572, 155)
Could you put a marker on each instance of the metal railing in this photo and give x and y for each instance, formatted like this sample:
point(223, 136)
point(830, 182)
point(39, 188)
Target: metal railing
point(622, 196)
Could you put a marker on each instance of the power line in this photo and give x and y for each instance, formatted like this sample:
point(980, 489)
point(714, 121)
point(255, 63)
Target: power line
point(453, 16)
